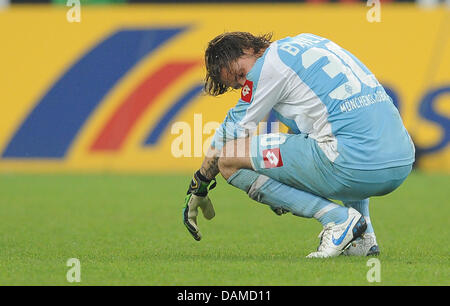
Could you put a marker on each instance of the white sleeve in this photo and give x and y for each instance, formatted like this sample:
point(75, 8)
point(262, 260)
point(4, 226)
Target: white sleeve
point(268, 89)
point(263, 89)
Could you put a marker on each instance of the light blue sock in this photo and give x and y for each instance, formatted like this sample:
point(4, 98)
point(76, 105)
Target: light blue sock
point(363, 208)
point(278, 195)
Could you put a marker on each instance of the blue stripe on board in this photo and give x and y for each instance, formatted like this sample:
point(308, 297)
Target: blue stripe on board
point(165, 120)
point(54, 123)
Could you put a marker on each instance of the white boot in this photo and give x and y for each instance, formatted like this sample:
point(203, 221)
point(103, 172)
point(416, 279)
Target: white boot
point(335, 238)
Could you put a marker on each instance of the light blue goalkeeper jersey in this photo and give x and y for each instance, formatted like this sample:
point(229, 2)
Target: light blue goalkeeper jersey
point(317, 88)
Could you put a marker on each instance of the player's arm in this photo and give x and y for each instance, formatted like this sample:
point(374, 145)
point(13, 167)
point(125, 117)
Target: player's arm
point(204, 178)
point(241, 121)
point(210, 167)
point(197, 194)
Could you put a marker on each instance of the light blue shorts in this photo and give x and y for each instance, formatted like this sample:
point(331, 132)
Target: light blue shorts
point(296, 160)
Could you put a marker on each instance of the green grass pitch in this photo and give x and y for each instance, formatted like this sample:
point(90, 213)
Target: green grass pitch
point(127, 230)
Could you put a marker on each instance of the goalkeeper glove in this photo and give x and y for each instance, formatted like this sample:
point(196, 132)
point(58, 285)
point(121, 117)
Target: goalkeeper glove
point(197, 196)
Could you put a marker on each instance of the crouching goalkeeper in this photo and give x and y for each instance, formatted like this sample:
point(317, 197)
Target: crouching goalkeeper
point(348, 141)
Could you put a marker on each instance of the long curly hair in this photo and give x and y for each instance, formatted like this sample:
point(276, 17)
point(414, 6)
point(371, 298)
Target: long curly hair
point(223, 50)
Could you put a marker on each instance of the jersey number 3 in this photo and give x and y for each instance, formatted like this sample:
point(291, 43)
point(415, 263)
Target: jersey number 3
point(355, 74)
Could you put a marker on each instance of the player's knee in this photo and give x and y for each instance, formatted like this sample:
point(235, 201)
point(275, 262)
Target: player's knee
point(226, 167)
point(225, 163)
point(234, 157)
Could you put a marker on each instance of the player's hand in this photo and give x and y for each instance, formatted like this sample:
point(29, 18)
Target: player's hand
point(190, 213)
point(197, 197)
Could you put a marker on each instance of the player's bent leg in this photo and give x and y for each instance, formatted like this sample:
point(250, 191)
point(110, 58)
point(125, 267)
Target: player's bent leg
point(281, 197)
point(346, 224)
point(341, 225)
point(236, 167)
point(296, 160)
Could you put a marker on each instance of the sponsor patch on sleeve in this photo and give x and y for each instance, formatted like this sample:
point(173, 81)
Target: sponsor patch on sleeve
point(247, 91)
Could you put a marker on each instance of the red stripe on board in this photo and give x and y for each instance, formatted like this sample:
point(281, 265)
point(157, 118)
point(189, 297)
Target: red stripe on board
point(117, 129)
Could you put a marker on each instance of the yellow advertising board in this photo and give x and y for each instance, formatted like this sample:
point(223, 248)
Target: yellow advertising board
point(121, 90)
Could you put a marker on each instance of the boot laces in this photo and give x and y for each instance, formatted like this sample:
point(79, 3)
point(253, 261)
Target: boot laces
point(325, 236)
